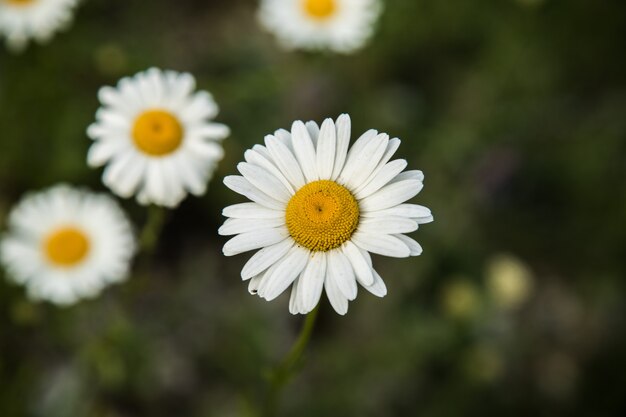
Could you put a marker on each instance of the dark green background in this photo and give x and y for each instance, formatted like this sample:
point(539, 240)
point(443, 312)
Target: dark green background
point(514, 109)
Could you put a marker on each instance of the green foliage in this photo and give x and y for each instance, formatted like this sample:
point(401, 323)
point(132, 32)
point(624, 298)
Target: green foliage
point(514, 109)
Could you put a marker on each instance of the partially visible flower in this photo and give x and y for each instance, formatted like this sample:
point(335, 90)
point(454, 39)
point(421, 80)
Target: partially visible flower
point(460, 298)
point(318, 209)
point(509, 281)
point(65, 244)
point(156, 137)
point(339, 25)
point(21, 20)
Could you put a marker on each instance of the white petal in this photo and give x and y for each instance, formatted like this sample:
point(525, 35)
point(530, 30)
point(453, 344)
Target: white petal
point(385, 245)
point(304, 151)
point(414, 247)
point(260, 156)
point(255, 283)
point(242, 186)
point(280, 277)
point(365, 161)
point(255, 240)
point(386, 225)
point(362, 269)
point(409, 175)
point(343, 142)
point(351, 164)
point(265, 258)
point(386, 174)
point(340, 271)
point(103, 150)
point(264, 181)
point(326, 145)
point(412, 211)
point(312, 281)
point(191, 174)
point(336, 297)
point(285, 161)
point(237, 226)
point(314, 131)
point(391, 195)
point(252, 211)
point(378, 288)
point(294, 304)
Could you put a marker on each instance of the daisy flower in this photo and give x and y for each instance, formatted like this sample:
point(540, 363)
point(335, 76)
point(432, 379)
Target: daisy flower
point(156, 137)
point(21, 20)
point(338, 25)
point(318, 209)
point(65, 244)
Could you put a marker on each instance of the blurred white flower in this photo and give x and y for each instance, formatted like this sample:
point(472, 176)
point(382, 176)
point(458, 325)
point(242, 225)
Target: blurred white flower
point(156, 137)
point(318, 210)
point(509, 281)
point(65, 244)
point(21, 20)
point(339, 25)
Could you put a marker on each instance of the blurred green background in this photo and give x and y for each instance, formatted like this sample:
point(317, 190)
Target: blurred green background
point(514, 109)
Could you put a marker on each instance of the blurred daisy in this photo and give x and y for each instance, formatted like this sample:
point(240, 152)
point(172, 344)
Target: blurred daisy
point(156, 137)
point(318, 210)
point(21, 20)
point(65, 244)
point(339, 25)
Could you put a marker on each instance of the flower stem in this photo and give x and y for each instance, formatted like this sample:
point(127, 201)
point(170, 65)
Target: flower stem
point(280, 376)
point(152, 229)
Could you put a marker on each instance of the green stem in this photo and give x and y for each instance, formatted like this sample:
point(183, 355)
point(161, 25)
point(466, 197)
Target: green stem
point(281, 375)
point(152, 229)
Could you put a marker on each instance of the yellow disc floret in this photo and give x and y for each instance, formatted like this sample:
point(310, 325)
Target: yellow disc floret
point(157, 132)
point(66, 246)
point(320, 9)
point(322, 215)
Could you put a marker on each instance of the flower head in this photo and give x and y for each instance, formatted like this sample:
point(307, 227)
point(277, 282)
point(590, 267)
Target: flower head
point(156, 137)
point(338, 25)
point(318, 209)
point(65, 244)
point(21, 20)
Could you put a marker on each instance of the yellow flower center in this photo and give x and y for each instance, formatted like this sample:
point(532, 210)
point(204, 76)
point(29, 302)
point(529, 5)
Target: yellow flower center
point(19, 2)
point(320, 9)
point(322, 215)
point(66, 246)
point(157, 132)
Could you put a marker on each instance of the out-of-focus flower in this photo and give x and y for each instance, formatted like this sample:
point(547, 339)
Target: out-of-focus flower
point(460, 299)
point(484, 363)
point(21, 20)
point(338, 25)
point(65, 244)
point(509, 281)
point(156, 136)
point(318, 211)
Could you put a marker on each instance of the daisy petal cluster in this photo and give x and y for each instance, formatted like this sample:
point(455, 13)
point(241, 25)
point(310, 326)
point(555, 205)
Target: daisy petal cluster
point(342, 26)
point(22, 20)
point(155, 135)
point(66, 244)
point(318, 209)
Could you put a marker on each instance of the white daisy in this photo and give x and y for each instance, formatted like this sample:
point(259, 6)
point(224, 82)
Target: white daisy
point(65, 244)
point(155, 135)
point(318, 210)
point(339, 25)
point(21, 20)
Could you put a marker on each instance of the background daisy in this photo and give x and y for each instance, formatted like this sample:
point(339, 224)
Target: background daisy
point(21, 20)
point(155, 135)
point(338, 25)
point(318, 209)
point(65, 244)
